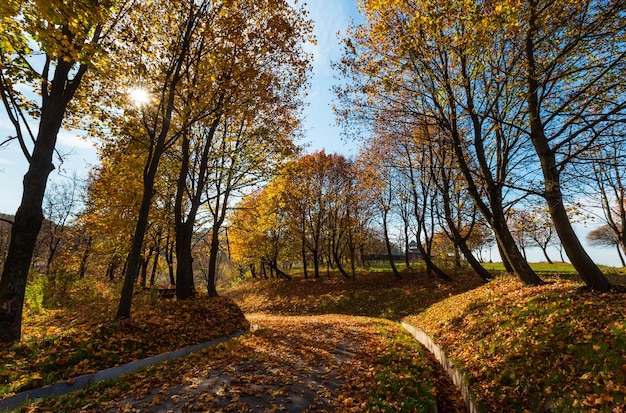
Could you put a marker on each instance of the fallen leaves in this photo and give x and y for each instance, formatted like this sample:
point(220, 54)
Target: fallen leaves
point(369, 294)
point(552, 347)
point(320, 363)
point(62, 344)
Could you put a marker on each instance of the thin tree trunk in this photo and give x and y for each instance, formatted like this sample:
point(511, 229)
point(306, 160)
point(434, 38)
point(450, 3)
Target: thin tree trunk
point(545, 254)
point(621, 257)
point(134, 256)
point(83, 261)
point(215, 247)
point(388, 246)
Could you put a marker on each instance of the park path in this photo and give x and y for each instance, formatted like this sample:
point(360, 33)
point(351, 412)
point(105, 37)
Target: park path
point(288, 364)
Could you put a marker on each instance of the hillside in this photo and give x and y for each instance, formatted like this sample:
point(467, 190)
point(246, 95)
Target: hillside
point(555, 347)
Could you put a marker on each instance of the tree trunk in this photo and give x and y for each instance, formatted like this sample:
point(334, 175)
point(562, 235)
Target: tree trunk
point(143, 264)
point(155, 264)
point(83, 261)
point(29, 215)
point(507, 265)
point(388, 247)
point(621, 257)
point(460, 241)
point(584, 265)
point(134, 256)
point(407, 261)
point(215, 248)
point(316, 264)
point(545, 254)
point(278, 272)
point(169, 258)
point(184, 261)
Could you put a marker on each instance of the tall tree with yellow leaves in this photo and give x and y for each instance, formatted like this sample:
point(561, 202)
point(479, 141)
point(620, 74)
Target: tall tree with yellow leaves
point(49, 46)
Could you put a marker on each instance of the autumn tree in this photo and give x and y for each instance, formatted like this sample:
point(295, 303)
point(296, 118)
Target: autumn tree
point(251, 115)
point(259, 234)
point(604, 236)
point(573, 58)
point(306, 181)
point(48, 47)
point(607, 183)
point(415, 63)
point(158, 60)
point(381, 179)
point(60, 205)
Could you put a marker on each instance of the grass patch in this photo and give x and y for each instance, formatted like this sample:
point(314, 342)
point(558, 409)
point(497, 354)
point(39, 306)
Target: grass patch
point(548, 348)
point(407, 372)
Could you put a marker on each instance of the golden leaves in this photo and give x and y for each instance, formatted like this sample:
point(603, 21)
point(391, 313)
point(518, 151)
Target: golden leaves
point(528, 347)
point(51, 351)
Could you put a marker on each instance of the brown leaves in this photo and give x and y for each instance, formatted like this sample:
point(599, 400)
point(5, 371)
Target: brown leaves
point(535, 347)
point(59, 345)
point(370, 295)
point(320, 363)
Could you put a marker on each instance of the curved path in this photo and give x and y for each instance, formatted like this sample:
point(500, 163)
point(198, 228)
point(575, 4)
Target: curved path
point(289, 364)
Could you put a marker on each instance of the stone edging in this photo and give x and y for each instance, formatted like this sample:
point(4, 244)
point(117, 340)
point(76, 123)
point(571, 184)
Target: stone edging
point(81, 382)
point(454, 374)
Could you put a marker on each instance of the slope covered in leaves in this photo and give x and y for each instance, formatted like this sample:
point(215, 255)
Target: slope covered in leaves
point(60, 344)
point(318, 363)
point(554, 348)
point(376, 294)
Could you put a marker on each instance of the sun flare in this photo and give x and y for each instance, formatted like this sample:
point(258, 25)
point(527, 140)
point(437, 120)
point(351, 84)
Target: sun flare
point(139, 96)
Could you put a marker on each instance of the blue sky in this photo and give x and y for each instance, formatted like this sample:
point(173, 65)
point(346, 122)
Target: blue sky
point(330, 17)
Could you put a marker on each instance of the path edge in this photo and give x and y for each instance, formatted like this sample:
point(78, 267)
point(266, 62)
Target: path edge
point(445, 362)
point(80, 382)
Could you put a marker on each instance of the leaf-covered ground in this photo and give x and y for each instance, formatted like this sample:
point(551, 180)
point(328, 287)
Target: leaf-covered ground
point(294, 364)
point(369, 295)
point(555, 347)
point(60, 344)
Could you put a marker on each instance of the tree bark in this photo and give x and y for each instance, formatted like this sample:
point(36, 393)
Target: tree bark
point(584, 265)
point(29, 215)
point(215, 248)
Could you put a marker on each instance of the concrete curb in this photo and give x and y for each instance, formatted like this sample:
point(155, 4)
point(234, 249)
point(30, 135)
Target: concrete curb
point(454, 374)
point(81, 382)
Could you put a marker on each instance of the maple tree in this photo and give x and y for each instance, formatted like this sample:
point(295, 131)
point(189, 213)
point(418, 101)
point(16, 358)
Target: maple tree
point(49, 47)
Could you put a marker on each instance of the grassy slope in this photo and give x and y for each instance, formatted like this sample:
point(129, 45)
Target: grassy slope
point(549, 348)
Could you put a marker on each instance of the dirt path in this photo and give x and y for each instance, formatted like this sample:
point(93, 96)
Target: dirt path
point(289, 364)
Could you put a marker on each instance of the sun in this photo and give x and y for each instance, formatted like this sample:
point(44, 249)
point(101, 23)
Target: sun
point(139, 96)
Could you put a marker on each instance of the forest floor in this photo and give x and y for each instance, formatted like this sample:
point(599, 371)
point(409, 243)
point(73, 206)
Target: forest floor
point(556, 347)
point(288, 363)
point(331, 344)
